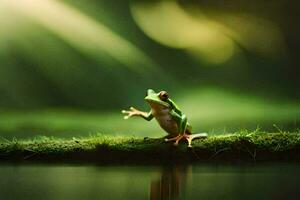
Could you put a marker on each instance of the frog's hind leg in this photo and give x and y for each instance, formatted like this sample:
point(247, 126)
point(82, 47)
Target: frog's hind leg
point(178, 139)
point(182, 129)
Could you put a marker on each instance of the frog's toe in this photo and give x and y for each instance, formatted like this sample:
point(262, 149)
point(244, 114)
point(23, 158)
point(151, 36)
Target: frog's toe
point(133, 109)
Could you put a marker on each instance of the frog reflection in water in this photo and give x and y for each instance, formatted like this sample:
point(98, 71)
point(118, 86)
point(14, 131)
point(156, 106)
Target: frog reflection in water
point(168, 115)
point(171, 184)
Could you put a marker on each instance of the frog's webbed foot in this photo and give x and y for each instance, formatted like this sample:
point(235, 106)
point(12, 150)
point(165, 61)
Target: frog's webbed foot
point(131, 112)
point(176, 139)
point(189, 138)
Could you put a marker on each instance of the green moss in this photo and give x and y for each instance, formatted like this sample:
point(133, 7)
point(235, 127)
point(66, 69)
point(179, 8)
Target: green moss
point(241, 145)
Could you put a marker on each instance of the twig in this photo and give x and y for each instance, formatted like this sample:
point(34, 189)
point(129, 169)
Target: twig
point(193, 150)
point(30, 155)
point(219, 151)
point(253, 155)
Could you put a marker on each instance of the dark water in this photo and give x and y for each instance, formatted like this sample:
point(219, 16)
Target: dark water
point(206, 181)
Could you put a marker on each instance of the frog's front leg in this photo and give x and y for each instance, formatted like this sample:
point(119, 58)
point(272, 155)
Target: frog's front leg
point(135, 112)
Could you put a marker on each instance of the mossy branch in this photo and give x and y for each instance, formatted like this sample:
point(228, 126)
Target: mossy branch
point(118, 149)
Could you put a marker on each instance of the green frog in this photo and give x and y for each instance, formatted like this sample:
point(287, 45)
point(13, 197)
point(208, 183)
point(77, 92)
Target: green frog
point(168, 115)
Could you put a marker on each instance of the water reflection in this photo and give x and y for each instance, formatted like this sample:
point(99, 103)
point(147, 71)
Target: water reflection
point(170, 184)
point(204, 181)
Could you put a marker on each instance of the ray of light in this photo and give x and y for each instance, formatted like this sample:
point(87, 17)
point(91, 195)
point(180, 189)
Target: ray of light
point(82, 32)
point(167, 23)
point(214, 37)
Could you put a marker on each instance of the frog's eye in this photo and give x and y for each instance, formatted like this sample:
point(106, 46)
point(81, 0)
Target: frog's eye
point(163, 95)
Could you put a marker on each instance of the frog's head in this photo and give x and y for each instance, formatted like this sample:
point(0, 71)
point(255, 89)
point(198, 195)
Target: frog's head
point(159, 99)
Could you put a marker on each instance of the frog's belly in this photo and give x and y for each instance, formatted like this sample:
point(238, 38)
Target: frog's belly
point(166, 121)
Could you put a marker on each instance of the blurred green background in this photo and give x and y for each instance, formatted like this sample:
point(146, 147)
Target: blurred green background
point(67, 68)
